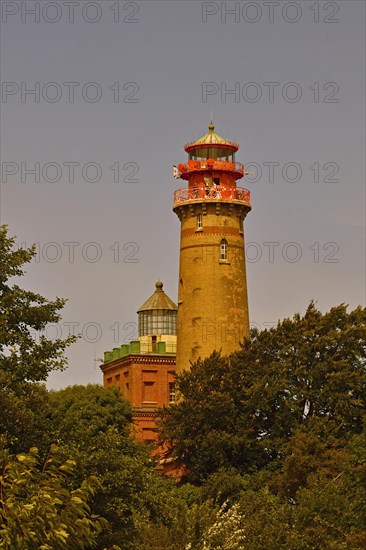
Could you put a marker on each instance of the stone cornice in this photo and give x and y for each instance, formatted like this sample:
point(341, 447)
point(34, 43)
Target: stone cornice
point(148, 359)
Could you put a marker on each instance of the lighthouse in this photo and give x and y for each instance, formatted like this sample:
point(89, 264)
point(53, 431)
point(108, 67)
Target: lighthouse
point(212, 290)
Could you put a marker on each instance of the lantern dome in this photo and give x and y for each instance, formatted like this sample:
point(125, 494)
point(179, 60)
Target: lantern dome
point(158, 315)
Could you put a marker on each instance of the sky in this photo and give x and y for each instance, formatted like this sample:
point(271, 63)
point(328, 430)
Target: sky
point(97, 102)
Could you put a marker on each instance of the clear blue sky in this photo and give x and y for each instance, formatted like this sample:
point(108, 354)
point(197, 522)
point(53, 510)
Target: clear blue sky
point(128, 90)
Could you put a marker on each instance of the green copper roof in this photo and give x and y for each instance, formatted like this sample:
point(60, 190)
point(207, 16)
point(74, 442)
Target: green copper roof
point(211, 137)
point(159, 300)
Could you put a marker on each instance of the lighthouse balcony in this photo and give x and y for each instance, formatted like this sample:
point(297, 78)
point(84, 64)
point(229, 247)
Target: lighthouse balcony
point(213, 194)
point(211, 164)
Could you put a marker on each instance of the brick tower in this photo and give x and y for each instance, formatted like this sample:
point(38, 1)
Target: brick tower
point(212, 294)
point(144, 368)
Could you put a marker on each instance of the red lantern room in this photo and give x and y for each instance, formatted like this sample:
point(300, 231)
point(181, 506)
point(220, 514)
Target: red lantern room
point(211, 170)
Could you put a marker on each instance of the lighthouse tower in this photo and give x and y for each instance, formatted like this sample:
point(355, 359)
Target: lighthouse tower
point(212, 294)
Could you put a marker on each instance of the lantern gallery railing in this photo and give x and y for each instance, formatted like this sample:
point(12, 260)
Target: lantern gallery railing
point(215, 192)
point(210, 164)
point(229, 143)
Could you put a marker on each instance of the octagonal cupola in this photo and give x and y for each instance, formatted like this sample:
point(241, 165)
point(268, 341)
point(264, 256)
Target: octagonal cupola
point(158, 315)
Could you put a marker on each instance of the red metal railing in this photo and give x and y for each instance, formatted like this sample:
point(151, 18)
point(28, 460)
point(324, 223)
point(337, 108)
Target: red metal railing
point(214, 192)
point(229, 143)
point(211, 164)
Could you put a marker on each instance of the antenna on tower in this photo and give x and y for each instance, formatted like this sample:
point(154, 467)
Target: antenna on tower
point(97, 360)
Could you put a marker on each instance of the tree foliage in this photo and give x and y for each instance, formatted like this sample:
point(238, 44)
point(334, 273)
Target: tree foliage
point(23, 416)
point(307, 375)
point(276, 434)
point(79, 413)
point(26, 354)
point(272, 437)
point(37, 509)
point(93, 424)
point(22, 313)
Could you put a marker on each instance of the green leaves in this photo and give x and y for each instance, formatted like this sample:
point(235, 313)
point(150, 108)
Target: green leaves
point(275, 432)
point(37, 510)
point(26, 355)
point(82, 412)
point(22, 313)
point(243, 410)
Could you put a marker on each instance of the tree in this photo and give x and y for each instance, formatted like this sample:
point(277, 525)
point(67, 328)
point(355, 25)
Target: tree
point(243, 410)
point(80, 413)
point(226, 532)
point(24, 407)
point(23, 312)
point(327, 512)
point(39, 511)
point(92, 425)
point(257, 520)
point(219, 433)
point(26, 354)
point(224, 486)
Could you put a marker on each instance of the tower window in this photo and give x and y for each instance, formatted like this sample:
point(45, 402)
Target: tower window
point(240, 224)
point(223, 250)
point(199, 222)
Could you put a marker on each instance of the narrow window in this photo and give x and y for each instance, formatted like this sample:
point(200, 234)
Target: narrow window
point(240, 224)
point(199, 221)
point(171, 392)
point(223, 250)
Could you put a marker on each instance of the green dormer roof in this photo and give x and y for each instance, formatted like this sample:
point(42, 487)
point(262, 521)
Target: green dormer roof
point(159, 300)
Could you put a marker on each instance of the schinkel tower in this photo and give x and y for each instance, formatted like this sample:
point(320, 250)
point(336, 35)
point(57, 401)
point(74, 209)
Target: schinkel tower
point(212, 294)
